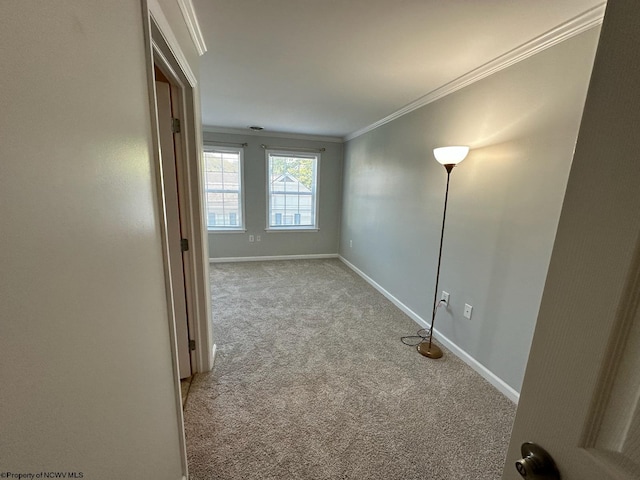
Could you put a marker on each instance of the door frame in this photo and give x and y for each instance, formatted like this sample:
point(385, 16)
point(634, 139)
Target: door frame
point(162, 49)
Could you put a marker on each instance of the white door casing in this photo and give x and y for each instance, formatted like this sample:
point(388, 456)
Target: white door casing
point(581, 394)
point(165, 51)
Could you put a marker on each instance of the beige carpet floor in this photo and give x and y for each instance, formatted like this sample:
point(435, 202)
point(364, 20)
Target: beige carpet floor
point(311, 381)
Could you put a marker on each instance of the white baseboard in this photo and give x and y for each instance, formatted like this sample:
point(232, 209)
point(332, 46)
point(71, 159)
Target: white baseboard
point(487, 374)
point(272, 257)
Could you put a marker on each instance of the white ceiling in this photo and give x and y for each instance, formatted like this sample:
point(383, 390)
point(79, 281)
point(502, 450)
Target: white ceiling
point(332, 67)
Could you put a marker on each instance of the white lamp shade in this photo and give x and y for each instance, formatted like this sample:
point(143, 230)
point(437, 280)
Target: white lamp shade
point(450, 155)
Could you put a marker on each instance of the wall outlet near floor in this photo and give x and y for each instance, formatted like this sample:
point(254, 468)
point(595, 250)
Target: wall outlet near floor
point(467, 311)
point(250, 238)
point(257, 238)
point(350, 243)
point(444, 297)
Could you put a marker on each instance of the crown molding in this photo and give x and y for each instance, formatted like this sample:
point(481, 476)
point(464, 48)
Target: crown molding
point(265, 133)
point(157, 15)
point(191, 19)
point(562, 32)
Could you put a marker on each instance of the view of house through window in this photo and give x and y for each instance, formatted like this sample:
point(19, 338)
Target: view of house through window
point(292, 186)
point(223, 188)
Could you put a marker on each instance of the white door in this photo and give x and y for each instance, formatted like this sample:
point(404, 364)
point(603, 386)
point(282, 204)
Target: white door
point(174, 236)
point(581, 395)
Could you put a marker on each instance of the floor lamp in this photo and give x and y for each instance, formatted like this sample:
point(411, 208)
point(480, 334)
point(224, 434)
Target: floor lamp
point(449, 157)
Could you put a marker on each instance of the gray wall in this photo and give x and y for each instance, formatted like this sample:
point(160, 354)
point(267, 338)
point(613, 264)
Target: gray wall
point(504, 204)
point(324, 241)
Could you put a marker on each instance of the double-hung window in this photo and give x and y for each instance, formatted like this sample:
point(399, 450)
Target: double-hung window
point(223, 188)
point(292, 190)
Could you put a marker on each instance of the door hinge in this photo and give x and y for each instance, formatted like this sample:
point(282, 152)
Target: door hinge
point(184, 244)
point(175, 125)
point(192, 344)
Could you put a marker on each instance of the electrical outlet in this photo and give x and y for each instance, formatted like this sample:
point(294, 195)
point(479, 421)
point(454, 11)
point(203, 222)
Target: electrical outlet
point(350, 243)
point(467, 311)
point(444, 297)
point(257, 238)
point(250, 238)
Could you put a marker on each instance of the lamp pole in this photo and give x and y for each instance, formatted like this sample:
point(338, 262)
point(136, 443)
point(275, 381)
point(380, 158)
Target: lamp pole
point(448, 157)
point(428, 349)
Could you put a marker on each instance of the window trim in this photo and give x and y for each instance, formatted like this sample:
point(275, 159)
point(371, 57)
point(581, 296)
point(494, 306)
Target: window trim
point(212, 147)
point(316, 195)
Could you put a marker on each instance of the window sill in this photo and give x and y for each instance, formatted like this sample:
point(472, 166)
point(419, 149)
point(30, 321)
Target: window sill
point(290, 229)
point(229, 230)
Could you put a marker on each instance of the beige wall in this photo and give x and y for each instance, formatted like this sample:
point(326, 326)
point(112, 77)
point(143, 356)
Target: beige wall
point(86, 371)
point(504, 203)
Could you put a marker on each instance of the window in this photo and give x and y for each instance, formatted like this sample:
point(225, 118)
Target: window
point(292, 185)
point(223, 188)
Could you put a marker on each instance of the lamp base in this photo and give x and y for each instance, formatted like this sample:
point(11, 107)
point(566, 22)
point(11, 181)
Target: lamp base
point(430, 352)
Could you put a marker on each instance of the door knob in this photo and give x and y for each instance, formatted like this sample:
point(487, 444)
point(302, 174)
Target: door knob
point(536, 463)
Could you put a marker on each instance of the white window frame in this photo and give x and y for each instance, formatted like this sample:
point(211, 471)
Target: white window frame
point(211, 147)
point(315, 191)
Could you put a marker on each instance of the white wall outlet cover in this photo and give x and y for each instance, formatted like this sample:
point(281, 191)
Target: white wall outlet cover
point(444, 297)
point(467, 310)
